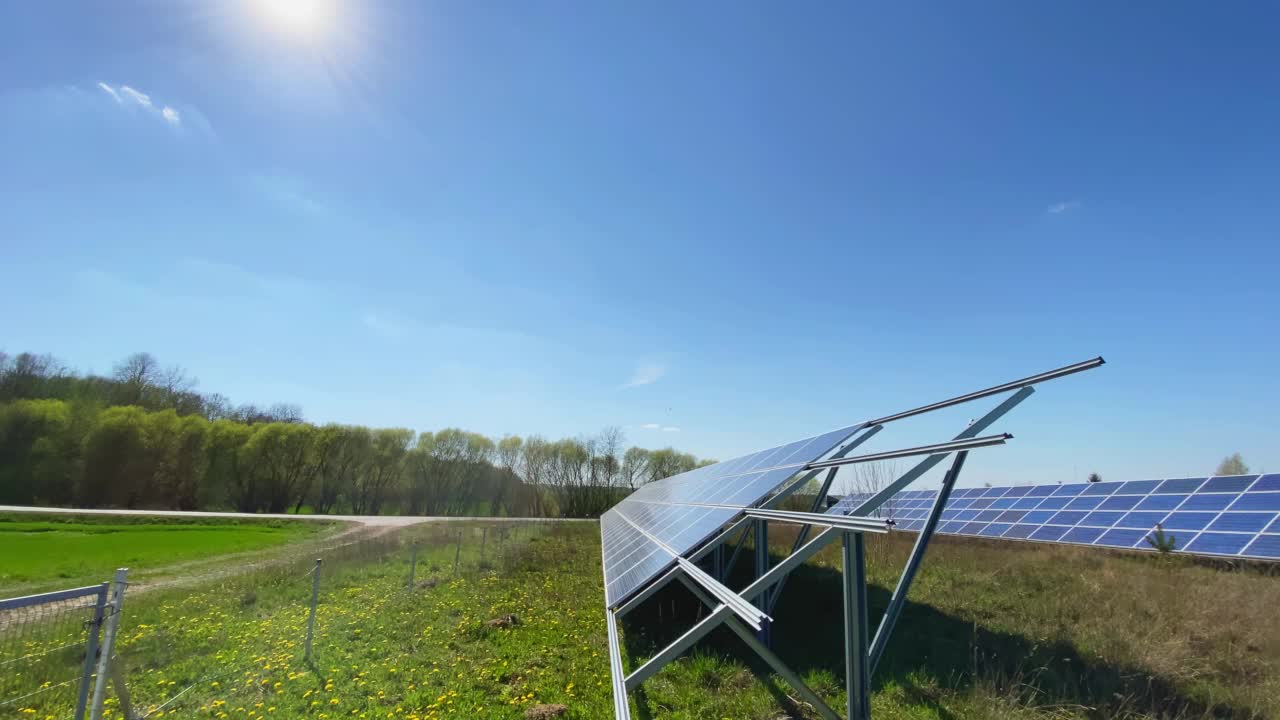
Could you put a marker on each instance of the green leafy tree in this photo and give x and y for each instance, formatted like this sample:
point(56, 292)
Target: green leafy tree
point(118, 467)
point(38, 452)
point(1233, 464)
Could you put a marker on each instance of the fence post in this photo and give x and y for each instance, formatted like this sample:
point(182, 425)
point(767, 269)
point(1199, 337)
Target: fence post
point(91, 652)
point(413, 563)
point(484, 536)
point(457, 554)
point(109, 630)
point(315, 598)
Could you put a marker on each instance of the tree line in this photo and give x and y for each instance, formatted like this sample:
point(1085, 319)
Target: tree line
point(143, 437)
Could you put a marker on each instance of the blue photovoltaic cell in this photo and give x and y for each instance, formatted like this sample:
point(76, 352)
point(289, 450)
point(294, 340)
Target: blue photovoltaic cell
point(1119, 502)
point(1228, 484)
point(1242, 522)
point(1161, 502)
point(1121, 538)
point(1188, 520)
point(1204, 515)
point(1218, 543)
point(639, 535)
point(1139, 487)
point(1084, 503)
point(1208, 502)
point(1084, 535)
point(1257, 501)
point(1049, 533)
point(1146, 520)
point(1267, 546)
point(1068, 517)
point(1102, 519)
point(1181, 485)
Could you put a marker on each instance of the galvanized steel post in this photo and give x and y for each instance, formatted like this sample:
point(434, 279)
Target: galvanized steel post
point(315, 599)
point(856, 668)
point(109, 630)
point(91, 652)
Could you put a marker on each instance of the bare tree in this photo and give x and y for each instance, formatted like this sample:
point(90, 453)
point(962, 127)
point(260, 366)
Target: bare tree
point(635, 467)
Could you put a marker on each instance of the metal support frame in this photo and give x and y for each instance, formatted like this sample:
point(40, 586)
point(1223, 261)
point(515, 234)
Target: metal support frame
point(621, 707)
point(315, 600)
point(110, 628)
point(91, 651)
point(769, 657)
point(899, 597)
point(762, 566)
point(863, 651)
point(857, 670)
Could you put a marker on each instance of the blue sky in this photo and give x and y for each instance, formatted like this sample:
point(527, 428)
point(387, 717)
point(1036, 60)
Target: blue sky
point(733, 223)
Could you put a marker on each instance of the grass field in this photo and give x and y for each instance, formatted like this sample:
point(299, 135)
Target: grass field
point(42, 552)
point(993, 630)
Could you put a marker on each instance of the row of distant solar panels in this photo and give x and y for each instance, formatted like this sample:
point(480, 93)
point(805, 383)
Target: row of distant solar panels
point(1237, 516)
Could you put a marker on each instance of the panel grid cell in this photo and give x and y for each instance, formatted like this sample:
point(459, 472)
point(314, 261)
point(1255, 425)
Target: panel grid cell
point(1234, 515)
point(642, 535)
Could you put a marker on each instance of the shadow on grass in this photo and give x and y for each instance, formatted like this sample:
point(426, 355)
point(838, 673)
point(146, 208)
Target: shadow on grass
point(954, 653)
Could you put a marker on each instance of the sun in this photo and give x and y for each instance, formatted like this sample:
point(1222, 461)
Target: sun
point(297, 17)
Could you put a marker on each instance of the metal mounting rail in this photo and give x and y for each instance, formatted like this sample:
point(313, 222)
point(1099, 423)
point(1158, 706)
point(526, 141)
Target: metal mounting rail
point(937, 449)
point(863, 650)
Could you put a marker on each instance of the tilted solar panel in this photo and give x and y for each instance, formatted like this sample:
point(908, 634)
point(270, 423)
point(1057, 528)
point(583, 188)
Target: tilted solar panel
point(1231, 516)
point(667, 510)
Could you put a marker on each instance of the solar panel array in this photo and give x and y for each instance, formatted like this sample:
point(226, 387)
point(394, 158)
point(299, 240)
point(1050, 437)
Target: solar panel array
point(667, 510)
point(1229, 516)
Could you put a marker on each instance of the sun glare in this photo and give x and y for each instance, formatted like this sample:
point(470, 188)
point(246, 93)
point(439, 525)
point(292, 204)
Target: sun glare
point(300, 17)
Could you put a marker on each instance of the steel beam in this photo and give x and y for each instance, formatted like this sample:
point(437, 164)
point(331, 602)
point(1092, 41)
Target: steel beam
point(762, 566)
point(935, 449)
point(996, 390)
point(899, 597)
point(846, 522)
point(621, 707)
point(677, 648)
point(857, 668)
point(781, 669)
point(924, 466)
point(796, 558)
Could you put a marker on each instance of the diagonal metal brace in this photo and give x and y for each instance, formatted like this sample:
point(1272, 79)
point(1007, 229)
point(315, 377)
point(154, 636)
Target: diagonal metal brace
point(899, 597)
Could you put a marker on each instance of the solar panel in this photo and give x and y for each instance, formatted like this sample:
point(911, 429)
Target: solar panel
point(1226, 516)
point(669, 510)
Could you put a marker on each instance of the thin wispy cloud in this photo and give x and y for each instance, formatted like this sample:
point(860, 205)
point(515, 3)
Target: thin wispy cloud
point(141, 98)
point(651, 426)
point(131, 97)
point(660, 427)
point(645, 374)
point(1061, 207)
point(111, 91)
point(670, 428)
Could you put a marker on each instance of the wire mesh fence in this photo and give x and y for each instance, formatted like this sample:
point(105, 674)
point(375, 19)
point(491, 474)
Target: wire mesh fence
point(254, 634)
point(48, 645)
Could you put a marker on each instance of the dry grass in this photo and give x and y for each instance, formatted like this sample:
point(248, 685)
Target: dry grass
point(1109, 633)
